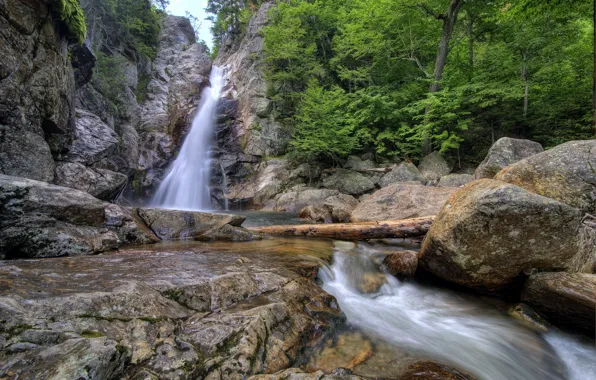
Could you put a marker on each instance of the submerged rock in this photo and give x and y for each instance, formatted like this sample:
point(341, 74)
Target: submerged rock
point(567, 299)
point(404, 172)
point(491, 232)
point(528, 317)
point(504, 152)
point(177, 224)
point(402, 201)
point(566, 173)
point(433, 167)
point(427, 370)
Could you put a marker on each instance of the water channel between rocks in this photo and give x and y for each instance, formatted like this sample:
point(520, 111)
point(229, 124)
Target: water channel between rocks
point(389, 328)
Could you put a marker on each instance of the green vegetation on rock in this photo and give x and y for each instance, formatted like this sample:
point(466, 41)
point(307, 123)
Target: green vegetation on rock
point(72, 15)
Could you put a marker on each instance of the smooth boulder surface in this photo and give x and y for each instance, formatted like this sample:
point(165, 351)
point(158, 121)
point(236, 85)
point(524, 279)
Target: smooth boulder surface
point(178, 313)
point(491, 232)
point(433, 167)
point(567, 299)
point(402, 201)
point(566, 173)
point(504, 152)
point(319, 214)
point(298, 198)
point(404, 172)
point(348, 182)
point(356, 163)
point(178, 225)
point(401, 264)
point(455, 180)
point(101, 183)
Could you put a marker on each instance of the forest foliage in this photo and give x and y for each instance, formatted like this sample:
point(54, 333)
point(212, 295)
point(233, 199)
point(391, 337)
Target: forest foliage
point(357, 75)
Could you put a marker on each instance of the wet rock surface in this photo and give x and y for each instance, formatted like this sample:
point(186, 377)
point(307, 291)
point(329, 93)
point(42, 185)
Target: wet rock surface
point(428, 370)
point(176, 312)
point(491, 232)
point(402, 201)
point(401, 264)
point(567, 299)
point(504, 152)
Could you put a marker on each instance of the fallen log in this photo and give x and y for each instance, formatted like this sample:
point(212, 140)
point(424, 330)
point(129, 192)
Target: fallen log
point(372, 170)
point(388, 229)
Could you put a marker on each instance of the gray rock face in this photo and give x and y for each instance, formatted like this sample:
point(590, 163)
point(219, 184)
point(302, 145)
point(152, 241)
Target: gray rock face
point(180, 313)
point(94, 140)
point(101, 183)
point(565, 173)
point(455, 180)
point(433, 167)
point(490, 232)
point(83, 61)
point(271, 178)
point(340, 207)
point(298, 198)
point(176, 225)
point(567, 299)
point(402, 201)
point(355, 163)
point(36, 90)
point(349, 182)
point(404, 172)
point(505, 152)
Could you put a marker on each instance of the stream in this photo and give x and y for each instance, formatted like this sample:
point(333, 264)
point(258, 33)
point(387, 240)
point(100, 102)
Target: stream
point(456, 329)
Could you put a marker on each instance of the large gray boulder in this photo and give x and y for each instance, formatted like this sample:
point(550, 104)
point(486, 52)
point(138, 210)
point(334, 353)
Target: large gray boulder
point(349, 182)
point(404, 172)
point(178, 225)
point(433, 167)
point(567, 299)
point(356, 163)
point(566, 173)
point(455, 180)
point(490, 232)
point(298, 198)
point(402, 201)
point(340, 207)
point(504, 152)
point(94, 139)
point(101, 183)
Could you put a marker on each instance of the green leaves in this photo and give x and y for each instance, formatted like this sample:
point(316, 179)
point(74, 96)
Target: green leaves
point(71, 14)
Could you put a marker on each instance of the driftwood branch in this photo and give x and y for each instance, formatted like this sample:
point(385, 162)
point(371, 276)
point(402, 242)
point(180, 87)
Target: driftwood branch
point(354, 231)
point(373, 170)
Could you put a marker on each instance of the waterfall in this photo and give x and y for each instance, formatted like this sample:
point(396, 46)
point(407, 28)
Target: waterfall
point(186, 185)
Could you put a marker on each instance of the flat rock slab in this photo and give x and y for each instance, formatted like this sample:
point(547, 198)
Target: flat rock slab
point(178, 224)
point(177, 311)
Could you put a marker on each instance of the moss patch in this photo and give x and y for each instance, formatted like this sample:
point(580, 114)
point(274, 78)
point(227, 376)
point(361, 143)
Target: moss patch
point(91, 334)
point(72, 16)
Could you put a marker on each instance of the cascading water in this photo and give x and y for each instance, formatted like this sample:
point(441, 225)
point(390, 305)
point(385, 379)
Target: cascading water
point(444, 325)
point(186, 186)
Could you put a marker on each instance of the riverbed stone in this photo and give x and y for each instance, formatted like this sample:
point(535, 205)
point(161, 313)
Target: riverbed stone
point(402, 201)
point(404, 172)
point(298, 198)
point(428, 370)
point(567, 299)
point(401, 264)
point(179, 225)
point(490, 232)
point(348, 182)
point(565, 173)
point(504, 152)
point(318, 214)
point(433, 167)
point(455, 180)
point(340, 207)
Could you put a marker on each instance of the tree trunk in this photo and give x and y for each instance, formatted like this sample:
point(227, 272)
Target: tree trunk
point(354, 231)
point(471, 46)
point(449, 19)
point(524, 74)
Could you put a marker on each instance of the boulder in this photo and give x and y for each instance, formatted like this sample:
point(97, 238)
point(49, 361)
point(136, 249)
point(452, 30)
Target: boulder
point(101, 183)
point(427, 370)
point(83, 61)
point(298, 198)
point(567, 299)
point(505, 152)
point(306, 173)
point(94, 139)
point(228, 232)
point(527, 316)
point(318, 214)
point(491, 232)
point(433, 167)
point(355, 163)
point(404, 172)
point(402, 201)
point(128, 225)
point(299, 374)
point(566, 173)
point(340, 207)
point(348, 182)
point(270, 178)
point(455, 180)
point(401, 264)
point(177, 224)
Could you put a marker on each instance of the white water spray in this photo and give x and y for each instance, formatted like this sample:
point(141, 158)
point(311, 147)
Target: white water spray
point(444, 325)
point(186, 186)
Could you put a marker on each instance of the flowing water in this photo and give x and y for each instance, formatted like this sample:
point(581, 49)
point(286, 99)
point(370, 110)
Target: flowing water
point(186, 185)
point(449, 327)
